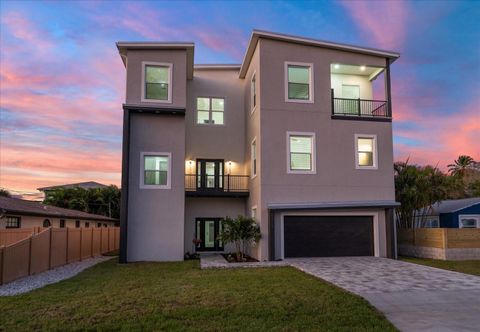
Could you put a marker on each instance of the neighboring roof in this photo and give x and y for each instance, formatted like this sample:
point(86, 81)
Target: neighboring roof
point(332, 205)
point(257, 34)
point(124, 46)
point(452, 205)
point(83, 185)
point(10, 205)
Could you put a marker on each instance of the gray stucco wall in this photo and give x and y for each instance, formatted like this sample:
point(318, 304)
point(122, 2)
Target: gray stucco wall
point(156, 216)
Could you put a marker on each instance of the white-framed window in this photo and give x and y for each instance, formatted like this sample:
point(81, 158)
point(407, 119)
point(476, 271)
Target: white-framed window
point(12, 222)
point(301, 155)
point(298, 82)
point(254, 212)
point(253, 92)
point(210, 110)
point(366, 151)
point(253, 157)
point(469, 221)
point(155, 170)
point(156, 82)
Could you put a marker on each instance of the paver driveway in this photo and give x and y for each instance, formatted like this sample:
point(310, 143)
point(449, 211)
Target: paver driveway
point(413, 297)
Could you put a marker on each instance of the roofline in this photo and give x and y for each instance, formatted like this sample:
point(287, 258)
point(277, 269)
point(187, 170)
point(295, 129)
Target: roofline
point(333, 205)
point(219, 66)
point(465, 207)
point(124, 46)
point(47, 214)
point(69, 184)
point(257, 34)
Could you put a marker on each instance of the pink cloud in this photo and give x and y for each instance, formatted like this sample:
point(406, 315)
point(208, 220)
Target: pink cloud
point(384, 21)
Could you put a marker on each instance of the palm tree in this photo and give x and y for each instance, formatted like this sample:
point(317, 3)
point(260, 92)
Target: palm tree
point(460, 166)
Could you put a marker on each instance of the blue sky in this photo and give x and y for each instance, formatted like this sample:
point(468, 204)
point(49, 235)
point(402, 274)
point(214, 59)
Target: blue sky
point(62, 81)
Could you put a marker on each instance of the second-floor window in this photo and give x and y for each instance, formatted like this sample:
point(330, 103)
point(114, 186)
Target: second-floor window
point(157, 82)
point(253, 92)
point(366, 151)
point(155, 170)
point(210, 110)
point(301, 152)
point(299, 83)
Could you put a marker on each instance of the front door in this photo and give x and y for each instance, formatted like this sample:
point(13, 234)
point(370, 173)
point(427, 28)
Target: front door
point(209, 174)
point(207, 230)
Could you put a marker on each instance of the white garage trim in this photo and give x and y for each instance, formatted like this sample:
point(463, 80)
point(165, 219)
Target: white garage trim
point(376, 227)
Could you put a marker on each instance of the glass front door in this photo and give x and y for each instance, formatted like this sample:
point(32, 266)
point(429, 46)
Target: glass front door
point(210, 174)
point(207, 230)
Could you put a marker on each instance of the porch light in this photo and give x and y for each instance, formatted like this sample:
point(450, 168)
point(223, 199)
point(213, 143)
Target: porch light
point(229, 166)
point(362, 68)
point(336, 66)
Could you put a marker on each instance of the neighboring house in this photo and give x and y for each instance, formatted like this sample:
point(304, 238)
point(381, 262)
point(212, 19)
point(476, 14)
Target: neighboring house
point(82, 185)
point(299, 136)
point(19, 213)
point(454, 213)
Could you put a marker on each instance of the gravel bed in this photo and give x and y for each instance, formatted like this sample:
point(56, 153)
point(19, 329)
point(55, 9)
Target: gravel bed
point(35, 281)
point(216, 261)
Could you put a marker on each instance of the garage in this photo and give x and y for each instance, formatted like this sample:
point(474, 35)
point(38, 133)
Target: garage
point(328, 236)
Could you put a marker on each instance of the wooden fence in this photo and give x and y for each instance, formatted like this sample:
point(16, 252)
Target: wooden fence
point(9, 236)
point(445, 238)
point(53, 247)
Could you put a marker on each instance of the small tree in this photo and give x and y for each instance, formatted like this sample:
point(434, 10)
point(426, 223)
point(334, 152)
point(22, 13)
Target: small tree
point(242, 231)
point(5, 193)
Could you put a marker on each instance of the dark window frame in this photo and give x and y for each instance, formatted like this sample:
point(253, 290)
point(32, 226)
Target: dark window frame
point(8, 223)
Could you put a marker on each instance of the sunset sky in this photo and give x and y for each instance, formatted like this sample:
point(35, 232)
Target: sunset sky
point(62, 81)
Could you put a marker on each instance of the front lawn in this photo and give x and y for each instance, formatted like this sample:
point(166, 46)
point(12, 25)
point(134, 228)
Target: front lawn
point(180, 296)
point(469, 267)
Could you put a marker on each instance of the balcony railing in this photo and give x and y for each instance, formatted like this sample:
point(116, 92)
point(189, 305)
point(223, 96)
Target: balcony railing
point(360, 108)
point(213, 185)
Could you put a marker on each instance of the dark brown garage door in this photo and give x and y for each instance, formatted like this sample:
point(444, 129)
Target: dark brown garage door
point(315, 236)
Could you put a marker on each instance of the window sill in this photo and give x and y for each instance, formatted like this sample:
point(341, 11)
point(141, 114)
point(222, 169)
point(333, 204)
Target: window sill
point(157, 101)
point(299, 101)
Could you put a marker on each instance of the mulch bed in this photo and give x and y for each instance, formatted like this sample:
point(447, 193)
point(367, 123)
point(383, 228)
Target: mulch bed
point(232, 258)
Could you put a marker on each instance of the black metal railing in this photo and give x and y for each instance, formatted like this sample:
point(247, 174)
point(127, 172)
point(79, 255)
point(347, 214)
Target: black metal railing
point(216, 184)
point(360, 107)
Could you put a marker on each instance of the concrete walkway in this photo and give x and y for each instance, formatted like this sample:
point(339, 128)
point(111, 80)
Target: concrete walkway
point(413, 297)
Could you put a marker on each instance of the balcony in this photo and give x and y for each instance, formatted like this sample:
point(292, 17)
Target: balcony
point(216, 185)
point(360, 108)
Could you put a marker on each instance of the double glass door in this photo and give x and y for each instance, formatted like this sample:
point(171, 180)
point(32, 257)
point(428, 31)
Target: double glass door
point(207, 230)
point(209, 174)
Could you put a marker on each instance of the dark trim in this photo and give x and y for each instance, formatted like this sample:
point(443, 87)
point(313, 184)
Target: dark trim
point(361, 118)
point(391, 227)
point(154, 109)
point(216, 247)
point(388, 89)
point(271, 235)
point(216, 193)
point(125, 180)
point(334, 206)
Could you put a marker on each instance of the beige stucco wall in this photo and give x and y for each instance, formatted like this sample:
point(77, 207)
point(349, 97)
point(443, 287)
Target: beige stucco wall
point(31, 221)
point(178, 58)
point(156, 216)
point(337, 80)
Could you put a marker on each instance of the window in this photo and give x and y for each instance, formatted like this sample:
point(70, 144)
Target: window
point(12, 222)
point(254, 157)
point(62, 223)
point(47, 223)
point(253, 92)
point(366, 151)
point(157, 78)
point(99, 224)
point(210, 110)
point(87, 224)
point(301, 153)
point(156, 170)
point(431, 223)
point(469, 221)
point(105, 225)
point(77, 223)
point(299, 83)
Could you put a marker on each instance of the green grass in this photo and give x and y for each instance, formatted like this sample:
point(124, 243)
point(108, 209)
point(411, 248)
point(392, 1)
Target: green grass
point(180, 296)
point(469, 267)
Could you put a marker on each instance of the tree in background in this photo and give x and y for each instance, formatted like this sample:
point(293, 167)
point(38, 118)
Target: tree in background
point(102, 201)
point(5, 193)
point(461, 165)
